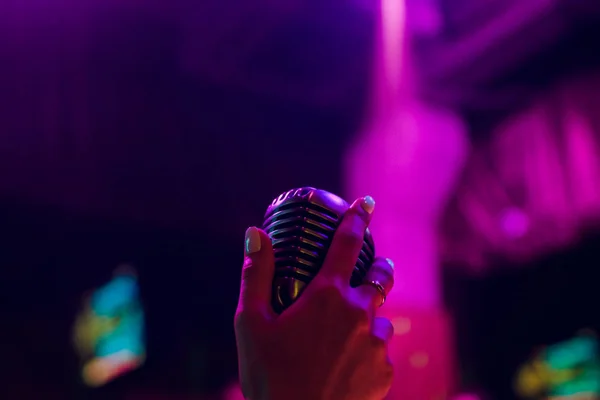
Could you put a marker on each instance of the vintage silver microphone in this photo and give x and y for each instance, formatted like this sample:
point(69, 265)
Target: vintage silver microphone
point(301, 223)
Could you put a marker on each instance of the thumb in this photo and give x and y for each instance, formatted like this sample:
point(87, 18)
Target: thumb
point(257, 272)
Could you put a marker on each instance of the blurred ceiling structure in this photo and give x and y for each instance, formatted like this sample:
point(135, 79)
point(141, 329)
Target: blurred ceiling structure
point(130, 109)
point(488, 53)
point(468, 53)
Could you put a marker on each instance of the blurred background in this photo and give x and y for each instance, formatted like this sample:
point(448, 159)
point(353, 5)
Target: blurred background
point(140, 138)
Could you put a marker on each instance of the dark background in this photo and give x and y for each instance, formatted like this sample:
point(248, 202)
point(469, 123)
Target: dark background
point(502, 319)
point(123, 140)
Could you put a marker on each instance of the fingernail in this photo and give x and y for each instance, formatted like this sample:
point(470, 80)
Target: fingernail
point(368, 204)
point(390, 262)
point(252, 242)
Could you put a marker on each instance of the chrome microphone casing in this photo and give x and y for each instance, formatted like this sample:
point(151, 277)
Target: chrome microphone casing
point(301, 224)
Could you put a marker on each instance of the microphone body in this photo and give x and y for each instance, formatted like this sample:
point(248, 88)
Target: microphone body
point(301, 224)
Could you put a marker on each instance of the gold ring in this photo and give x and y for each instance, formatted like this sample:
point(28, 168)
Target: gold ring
point(379, 287)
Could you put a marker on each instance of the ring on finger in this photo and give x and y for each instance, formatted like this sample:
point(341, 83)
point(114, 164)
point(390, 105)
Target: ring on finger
point(379, 287)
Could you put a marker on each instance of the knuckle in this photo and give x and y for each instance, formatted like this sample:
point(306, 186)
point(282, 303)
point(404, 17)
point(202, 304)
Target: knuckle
point(359, 315)
point(387, 373)
point(333, 298)
point(378, 345)
point(239, 319)
point(349, 237)
point(244, 320)
point(248, 271)
point(379, 351)
point(329, 294)
point(369, 294)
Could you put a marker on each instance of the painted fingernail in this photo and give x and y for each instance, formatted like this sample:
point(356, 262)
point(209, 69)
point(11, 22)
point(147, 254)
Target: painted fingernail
point(390, 262)
point(252, 242)
point(368, 204)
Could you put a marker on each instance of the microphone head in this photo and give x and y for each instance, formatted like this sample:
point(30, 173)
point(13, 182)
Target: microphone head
point(301, 224)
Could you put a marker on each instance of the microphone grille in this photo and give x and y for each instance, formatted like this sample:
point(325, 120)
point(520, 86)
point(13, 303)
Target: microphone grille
point(301, 224)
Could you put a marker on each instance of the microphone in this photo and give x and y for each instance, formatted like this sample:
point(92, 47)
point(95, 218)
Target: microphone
point(301, 224)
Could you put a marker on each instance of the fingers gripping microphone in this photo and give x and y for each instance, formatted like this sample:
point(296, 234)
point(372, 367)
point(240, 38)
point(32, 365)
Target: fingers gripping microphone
point(301, 224)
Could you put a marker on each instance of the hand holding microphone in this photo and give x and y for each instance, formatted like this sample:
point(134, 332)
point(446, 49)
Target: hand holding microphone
point(327, 343)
